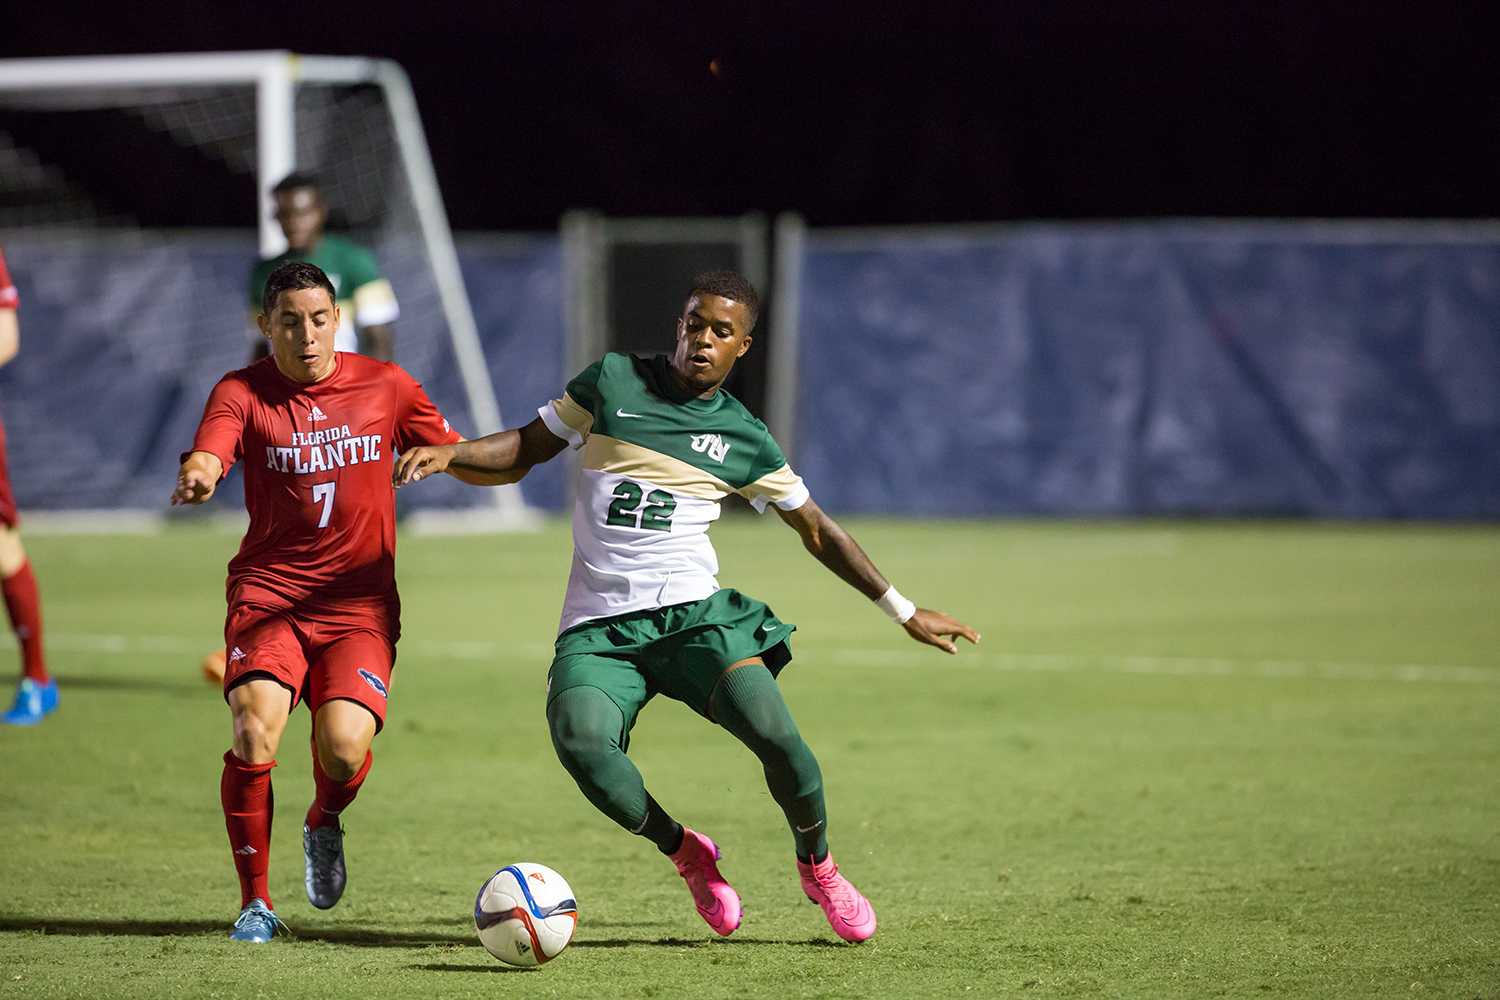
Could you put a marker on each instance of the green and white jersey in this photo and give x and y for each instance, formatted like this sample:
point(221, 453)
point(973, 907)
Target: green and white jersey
point(365, 297)
point(655, 466)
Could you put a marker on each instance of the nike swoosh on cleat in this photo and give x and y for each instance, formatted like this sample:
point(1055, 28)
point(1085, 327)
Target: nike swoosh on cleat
point(634, 416)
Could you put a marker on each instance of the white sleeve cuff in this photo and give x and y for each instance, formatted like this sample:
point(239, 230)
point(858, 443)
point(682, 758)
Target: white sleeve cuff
point(378, 314)
point(556, 426)
point(791, 501)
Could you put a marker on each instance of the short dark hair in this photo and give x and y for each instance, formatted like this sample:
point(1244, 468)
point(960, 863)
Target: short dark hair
point(730, 285)
point(291, 277)
point(295, 181)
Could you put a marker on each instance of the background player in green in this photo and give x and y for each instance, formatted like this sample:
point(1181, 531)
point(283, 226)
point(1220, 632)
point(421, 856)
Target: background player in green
point(662, 444)
point(366, 301)
point(367, 304)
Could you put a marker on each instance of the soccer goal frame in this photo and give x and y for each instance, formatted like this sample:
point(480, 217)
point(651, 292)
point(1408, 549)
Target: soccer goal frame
point(275, 76)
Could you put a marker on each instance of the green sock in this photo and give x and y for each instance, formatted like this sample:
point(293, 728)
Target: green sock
point(588, 731)
point(748, 703)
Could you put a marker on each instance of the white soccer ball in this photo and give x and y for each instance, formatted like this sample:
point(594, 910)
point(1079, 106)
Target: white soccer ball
point(525, 914)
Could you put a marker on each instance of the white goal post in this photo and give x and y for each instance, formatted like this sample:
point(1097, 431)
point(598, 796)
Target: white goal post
point(275, 77)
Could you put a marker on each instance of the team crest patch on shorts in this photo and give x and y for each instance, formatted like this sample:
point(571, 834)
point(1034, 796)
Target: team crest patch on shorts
point(374, 682)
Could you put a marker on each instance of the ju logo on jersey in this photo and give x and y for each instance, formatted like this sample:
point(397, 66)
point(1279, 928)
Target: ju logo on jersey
point(712, 445)
point(319, 451)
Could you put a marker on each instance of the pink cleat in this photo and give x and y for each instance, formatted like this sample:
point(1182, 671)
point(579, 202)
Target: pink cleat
point(849, 914)
point(718, 904)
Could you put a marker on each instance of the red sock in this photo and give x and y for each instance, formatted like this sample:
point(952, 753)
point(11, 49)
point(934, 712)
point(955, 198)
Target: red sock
point(333, 797)
point(25, 607)
point(245, 791)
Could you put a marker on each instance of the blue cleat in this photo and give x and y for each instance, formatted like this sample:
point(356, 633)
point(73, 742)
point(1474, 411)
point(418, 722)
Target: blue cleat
point(33, 703)
point(323, 850)
point(257, 924)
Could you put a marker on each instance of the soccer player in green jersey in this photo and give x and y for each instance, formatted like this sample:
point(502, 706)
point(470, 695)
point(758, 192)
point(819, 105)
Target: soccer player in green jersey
point(367, 305)
point(662, 444)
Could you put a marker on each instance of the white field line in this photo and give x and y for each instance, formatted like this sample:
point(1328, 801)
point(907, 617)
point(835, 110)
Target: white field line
point(114, 644)
point(1184, 666)
point(119, 644)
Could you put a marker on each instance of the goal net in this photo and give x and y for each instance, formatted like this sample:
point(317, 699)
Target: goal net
point(134, 198)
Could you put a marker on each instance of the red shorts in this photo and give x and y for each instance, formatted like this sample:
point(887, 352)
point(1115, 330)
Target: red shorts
point(315, 658)
point(8, 514)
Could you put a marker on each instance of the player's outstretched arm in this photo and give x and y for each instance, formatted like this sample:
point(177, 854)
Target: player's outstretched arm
point(197, 478)
point(835, 548)
point(503, 457)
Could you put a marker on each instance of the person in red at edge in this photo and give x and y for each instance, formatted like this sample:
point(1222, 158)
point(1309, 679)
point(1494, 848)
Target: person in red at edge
point(36, 697)
point(313, 612)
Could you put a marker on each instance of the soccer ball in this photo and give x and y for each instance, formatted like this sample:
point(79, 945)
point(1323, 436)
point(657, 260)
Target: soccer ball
point(525, 914)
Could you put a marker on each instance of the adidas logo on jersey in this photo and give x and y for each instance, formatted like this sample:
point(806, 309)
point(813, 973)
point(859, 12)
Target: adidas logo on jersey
point(316, 414)
point(712, 444)
point(236, 655)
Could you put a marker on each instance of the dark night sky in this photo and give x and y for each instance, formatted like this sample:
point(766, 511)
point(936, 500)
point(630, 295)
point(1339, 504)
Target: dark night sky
point(901, 113)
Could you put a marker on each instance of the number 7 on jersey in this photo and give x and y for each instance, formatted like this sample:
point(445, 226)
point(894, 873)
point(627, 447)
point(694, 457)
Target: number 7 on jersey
point(324, 492)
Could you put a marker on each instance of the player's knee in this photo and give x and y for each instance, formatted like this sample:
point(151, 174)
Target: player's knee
point(342, 754)
point(255, 737)
point(778, 749)
point(580, 743)
point(781, 732)
point(582, 735)
point(259, 708)
point(770, 734)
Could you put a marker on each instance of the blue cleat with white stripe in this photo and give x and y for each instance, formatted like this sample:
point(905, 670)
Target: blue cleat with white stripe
point(257, 924)
point(33, 703)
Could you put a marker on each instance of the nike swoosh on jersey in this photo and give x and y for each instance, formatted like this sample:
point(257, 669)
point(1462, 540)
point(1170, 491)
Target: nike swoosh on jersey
point(622, 413)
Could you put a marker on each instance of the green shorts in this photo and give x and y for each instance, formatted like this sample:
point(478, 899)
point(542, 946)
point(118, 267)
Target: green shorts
point(679, 651)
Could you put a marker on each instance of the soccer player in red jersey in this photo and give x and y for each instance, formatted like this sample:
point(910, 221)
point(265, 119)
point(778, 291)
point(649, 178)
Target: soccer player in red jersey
point(36, 697)
point(313, 611)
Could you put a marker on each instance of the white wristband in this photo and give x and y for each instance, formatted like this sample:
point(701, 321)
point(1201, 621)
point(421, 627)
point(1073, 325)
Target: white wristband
point(898, 608)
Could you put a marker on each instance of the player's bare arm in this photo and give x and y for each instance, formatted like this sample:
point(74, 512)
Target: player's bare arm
point(197, 478)
point(10, 336)
point(835, 548)
point(378, 342)
point(493, 460)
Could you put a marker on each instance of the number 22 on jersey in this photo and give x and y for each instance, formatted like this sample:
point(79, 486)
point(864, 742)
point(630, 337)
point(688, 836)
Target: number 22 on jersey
point(626, 511)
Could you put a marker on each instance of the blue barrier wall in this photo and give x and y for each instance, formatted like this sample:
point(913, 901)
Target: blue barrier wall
point(123, 336)
point(1334, 371)
point(1077, 370)
point(516, 290)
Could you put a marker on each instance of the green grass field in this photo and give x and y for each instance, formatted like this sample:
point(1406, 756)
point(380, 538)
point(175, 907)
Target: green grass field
point(1194, 760)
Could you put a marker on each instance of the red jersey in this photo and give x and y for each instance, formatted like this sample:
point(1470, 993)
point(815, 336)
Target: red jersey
point(9, 297)
point(318, 477)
